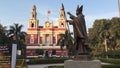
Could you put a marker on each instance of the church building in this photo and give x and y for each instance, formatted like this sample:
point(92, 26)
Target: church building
point(45, 36)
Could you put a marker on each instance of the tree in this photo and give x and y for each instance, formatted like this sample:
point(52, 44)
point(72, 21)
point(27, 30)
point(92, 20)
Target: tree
point(105, 30)
point(67, 40)
point(18, 36)
point(3, 35)
point(39, 51)
point(94, 36)
point(5, 40)
point(115, 32)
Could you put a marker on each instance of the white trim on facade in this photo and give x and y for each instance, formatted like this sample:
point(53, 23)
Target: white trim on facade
point(44, 47)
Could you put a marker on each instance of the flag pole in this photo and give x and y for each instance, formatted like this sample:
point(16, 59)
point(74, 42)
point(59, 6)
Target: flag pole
point(48, 12)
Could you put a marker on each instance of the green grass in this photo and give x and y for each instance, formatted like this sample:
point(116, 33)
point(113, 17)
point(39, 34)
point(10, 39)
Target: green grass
point(115, 63)
point(103, 66)
point(21, 63)
point(46, 60)
point(110, 60)
point(111, 66)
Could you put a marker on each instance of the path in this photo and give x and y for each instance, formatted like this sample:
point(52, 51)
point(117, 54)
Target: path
point(44, 65)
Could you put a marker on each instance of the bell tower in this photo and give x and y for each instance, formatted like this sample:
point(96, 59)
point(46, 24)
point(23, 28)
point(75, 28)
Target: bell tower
point(62, 18)
point(33, 34)
point(33, 22)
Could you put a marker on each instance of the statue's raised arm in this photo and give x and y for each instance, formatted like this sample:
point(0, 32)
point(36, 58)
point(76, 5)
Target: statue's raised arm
point(71, 16)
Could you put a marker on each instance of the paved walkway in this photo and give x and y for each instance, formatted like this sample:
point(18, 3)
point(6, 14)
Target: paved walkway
point(46, 65)
point(43, 65)
point(106, 63)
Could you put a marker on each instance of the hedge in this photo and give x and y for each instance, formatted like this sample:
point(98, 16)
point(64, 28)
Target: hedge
point(46, 60)
point(111, 54)
point(56, 67)
point(103, 66)
point(111, 66)
point(110, 60)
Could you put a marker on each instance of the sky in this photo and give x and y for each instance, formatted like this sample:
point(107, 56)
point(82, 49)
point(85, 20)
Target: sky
point(18, 11)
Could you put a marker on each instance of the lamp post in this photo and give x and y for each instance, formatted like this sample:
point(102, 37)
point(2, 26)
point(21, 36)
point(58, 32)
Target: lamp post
point(14, 53)
point(119, 7)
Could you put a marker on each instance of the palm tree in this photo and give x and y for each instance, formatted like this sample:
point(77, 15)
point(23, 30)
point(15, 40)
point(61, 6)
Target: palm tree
point(2, 34)
point(105, 35)
point(4, 39)
point(66, 40)
point(18, 36)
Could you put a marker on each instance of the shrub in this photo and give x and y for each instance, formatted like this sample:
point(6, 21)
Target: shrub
point(53, 52)
point(56, 67)
point(40, 51)
point(111, 54)
point(46, 60)
point(1, 58)
point(110, 60)
point(21, 63)
point(110, 66)
point(46, 54)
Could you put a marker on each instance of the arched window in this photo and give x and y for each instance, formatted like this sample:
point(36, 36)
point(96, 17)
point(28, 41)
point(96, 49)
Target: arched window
point(62, 25)
point(47, 39)
point(31, 39)
point(32, 25)
point(33, 15)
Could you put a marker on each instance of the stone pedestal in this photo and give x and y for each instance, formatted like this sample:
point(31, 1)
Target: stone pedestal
point(82, 58)
point(82, 64)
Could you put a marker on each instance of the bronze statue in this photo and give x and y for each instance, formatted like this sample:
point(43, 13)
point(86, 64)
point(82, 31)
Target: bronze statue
point(80, 32)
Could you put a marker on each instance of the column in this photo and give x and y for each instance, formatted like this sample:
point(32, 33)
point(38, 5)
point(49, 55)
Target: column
point(44, 39)
point(41, 40)
point(56, 38)
point(38, 38)
point(51, 37)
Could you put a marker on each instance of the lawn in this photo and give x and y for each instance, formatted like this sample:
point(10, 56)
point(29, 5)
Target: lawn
point(103, 66)
point(115, 63)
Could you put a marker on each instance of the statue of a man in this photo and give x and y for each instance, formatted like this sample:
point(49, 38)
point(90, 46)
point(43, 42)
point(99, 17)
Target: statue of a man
point(80, 32)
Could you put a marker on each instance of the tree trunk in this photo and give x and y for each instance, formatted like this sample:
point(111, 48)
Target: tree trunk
point(105, 42)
